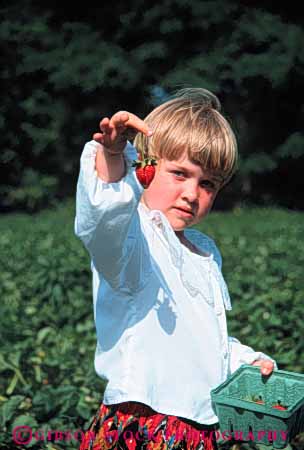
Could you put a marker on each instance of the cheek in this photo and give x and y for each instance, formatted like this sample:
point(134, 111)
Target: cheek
point(160, 194)
point(162, 186)
point(155, 193)
point(207, 200)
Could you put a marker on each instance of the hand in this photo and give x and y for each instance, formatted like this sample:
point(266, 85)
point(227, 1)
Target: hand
point(116, 131)
point(266, 366)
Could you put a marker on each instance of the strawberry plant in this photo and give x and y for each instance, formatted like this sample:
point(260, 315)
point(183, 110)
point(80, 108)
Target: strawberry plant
point(47, 339)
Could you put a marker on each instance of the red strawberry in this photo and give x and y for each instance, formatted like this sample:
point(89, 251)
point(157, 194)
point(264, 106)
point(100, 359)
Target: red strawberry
point(258, 400)
point(281, 407)
point(145, 170)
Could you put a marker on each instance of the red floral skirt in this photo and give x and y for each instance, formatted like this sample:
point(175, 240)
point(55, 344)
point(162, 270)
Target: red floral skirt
point(135, 426)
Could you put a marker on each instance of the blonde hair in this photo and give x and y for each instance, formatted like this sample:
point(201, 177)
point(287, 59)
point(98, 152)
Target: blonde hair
point(191, 121)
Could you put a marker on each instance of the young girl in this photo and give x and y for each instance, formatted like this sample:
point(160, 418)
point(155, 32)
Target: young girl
point(159, 294)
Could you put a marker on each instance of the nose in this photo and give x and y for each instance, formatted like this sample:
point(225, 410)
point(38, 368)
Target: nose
point(191, 192)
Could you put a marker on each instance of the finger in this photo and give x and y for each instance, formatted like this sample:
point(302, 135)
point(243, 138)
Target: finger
point(106, 132)
point(266, 366)
point(119, 121)
point(98, 137)
point(257, 362)
point(139, 125)
point(124, 119)
point(105, 125)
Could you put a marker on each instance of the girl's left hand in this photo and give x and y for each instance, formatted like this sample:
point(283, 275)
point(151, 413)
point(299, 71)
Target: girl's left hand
point(266, 366)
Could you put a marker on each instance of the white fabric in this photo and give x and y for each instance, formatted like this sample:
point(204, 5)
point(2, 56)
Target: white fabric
point(159, 309)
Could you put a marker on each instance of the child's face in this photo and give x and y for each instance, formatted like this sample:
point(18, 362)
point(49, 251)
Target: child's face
point(182, 191)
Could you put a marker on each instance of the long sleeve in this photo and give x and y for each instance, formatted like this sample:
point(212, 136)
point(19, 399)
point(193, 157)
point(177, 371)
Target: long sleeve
point(242, 354)
point(239, 353)
point(105, 214)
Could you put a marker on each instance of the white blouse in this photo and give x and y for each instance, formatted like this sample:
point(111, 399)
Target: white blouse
point(159, 308)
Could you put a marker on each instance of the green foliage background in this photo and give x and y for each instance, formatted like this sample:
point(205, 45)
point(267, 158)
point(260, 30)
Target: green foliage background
point(47, 339)
point(63, 69)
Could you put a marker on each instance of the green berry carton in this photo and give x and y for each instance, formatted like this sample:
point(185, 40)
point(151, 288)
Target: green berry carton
point(266, 409)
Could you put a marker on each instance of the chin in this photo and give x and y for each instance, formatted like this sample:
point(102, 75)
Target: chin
point(178, 223)
point(179, 229)
point(179, 226)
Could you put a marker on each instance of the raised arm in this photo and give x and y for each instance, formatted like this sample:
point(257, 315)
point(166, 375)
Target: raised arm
point(113, 138)
point(108, 193)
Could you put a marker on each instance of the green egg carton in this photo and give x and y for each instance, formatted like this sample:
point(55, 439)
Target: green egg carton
point(244, 404)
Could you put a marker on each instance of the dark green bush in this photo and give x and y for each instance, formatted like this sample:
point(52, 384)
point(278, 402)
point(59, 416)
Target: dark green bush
point(63, 69)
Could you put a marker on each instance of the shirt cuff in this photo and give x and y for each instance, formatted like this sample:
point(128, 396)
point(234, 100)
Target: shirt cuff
point(242, 354)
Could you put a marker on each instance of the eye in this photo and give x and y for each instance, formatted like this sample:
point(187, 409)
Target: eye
point(178, 173)
point(208, 184)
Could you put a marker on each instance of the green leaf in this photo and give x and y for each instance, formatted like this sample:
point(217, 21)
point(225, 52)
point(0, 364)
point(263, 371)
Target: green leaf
point(9, 408)
point(293, 147)
point(26, 420)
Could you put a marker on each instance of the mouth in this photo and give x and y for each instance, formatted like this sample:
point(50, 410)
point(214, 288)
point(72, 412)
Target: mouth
point(184, 212)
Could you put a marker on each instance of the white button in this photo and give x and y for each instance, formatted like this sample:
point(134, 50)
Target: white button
point(219, 311)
